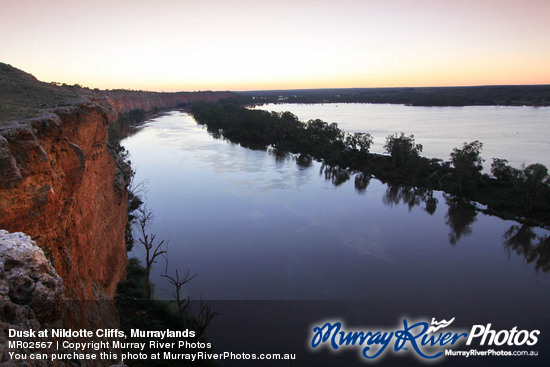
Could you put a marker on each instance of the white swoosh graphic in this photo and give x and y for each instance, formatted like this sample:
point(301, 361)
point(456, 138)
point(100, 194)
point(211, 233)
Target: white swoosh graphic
point(439, 325)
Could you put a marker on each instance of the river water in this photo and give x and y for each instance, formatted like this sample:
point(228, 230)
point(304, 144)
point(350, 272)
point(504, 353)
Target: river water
point(519, 134)
point(254, 227)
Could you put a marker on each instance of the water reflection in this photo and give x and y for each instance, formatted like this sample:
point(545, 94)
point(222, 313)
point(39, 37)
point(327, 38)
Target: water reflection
point(304, 160)
point(430, 202)
point(410, 196)
point(525, 242)
point(335, 174)
point(362, 181)
point(460, 217)
point(279, 154)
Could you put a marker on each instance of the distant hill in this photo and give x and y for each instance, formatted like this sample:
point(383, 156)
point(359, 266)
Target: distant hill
point(24, 96)
point(508, 95)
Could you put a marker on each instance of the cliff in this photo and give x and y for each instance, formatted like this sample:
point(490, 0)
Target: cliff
point(57, 180)
point(57, 186)
point(124, 101)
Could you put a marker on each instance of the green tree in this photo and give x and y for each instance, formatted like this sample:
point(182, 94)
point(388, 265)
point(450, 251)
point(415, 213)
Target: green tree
point(502, 171)
point(402, 148)
point(467, 163)
point(533, 181)
point(360, 142)
point(529, 182)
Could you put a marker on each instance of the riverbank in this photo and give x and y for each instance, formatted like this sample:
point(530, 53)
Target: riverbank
point(138, 313)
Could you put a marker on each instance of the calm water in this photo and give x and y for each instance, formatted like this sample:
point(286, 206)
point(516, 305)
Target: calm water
point(256, 228)
point(519, 134)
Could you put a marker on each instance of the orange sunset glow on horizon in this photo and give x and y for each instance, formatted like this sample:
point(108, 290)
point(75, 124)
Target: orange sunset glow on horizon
point(173, 45)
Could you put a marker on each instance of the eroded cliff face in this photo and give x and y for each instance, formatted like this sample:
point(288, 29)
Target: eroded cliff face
point(124, 101)
point(60, 184)
point(59, 189)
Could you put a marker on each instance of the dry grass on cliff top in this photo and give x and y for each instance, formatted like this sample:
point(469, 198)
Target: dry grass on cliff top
point(23, 96)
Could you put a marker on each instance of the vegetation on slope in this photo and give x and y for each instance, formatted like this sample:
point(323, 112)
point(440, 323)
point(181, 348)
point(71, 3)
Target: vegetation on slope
point(137, 312)
point(23, 96)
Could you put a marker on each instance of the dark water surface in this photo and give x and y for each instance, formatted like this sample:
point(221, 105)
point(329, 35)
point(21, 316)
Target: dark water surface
point(256, 228)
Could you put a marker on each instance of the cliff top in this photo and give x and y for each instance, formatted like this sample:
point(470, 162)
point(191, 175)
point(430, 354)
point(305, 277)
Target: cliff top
point(23, 96)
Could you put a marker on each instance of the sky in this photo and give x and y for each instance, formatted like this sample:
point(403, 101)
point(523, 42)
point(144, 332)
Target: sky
point(184, 45)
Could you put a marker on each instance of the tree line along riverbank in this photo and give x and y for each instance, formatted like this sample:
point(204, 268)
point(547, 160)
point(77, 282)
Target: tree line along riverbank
point(519, 193)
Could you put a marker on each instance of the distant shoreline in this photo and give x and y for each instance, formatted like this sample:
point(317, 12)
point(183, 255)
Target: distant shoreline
point(500, 95)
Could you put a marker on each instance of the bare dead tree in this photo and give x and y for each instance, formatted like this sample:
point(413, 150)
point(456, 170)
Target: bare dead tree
point(153, 249)
point(205, 317)
point(136, 192)
point(138, 188)
point(178, 283)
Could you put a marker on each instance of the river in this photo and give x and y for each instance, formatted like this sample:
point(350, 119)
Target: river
point(254, 227)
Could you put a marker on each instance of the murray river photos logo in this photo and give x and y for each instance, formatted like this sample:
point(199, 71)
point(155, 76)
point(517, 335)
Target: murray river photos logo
point(427, 341)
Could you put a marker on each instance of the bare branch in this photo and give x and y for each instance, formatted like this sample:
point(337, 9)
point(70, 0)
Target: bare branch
point(205, 317)
point(178, 283)
point(148, 242)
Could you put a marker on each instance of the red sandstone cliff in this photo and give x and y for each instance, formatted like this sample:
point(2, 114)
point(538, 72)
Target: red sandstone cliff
point(124, 101)
point(61, 192)
point(61, 184)
point(57, 184)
